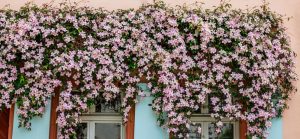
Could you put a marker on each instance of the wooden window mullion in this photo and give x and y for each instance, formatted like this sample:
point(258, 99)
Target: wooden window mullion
point(243, 129)
point(11, 121)
point(130, 124)
point(53, 125)
point(6, 123)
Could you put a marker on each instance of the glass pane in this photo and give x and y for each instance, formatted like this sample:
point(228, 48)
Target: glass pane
point(198, 111)
point(227, 132)
point(108, 131)
point(194, 132)
point(81, 131)
point(101, 105)
point(210, 106)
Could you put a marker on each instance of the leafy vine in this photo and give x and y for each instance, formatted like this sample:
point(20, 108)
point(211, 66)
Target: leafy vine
point(239, 59)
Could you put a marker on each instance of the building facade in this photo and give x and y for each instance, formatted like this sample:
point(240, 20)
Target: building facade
point(104, 122)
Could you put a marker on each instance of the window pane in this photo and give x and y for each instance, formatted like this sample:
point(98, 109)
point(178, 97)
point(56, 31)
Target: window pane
point(194, 132)
point(199, 111)
point(210, 106)
point(227, 132)
point(81, 131)
point(108, 131)
point(103, 106)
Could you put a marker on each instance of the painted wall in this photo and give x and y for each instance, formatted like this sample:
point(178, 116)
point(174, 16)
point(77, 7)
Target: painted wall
point(39, 130)
point(276, 129)
point(145, 126)
point(291, 118)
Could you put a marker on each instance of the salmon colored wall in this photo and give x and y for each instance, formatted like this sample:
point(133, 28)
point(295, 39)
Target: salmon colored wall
point(291, 118)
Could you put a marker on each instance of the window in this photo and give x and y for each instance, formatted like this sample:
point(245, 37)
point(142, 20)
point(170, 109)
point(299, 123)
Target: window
point(102, 121)
point(202, 118)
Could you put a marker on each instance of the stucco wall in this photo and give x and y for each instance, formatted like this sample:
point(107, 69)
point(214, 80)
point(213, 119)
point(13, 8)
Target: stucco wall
point(39, 128)
point(147, 129)
point(291, 118)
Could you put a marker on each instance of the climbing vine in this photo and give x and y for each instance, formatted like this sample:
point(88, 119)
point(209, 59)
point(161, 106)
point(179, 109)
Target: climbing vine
point(239, 60)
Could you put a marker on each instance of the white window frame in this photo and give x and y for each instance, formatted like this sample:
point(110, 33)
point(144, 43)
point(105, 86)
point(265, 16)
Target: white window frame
point(205, 119)
point(92, 117)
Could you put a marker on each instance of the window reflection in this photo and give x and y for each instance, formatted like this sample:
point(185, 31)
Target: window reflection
point(81, 131)
point(107, 131)
point(227, 132)
point(194, 132)
point(102, 106)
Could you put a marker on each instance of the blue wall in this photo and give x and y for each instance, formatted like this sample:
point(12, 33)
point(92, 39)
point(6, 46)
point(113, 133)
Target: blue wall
point(39, 130)
point(145, 120)
point(146, 127)
point(276, 129)
point(145, 124)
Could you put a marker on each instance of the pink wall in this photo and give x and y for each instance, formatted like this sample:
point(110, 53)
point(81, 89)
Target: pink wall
point(291, 118)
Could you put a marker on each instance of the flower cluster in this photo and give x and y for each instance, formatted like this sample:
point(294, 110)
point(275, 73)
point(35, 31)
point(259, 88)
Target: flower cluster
point(239, 60)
